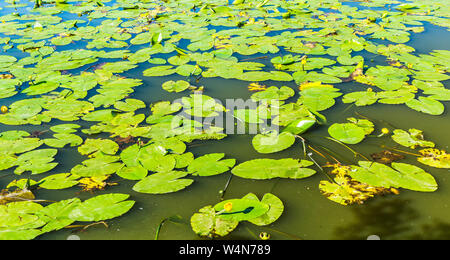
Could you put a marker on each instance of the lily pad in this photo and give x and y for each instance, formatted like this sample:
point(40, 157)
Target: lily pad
point(263, 169)
point(206, 223)
point(210, 164)
point(163, 182)
point(276, 209)
point(273, 142)
point(241, 209)
point(176, 86)
point(102, 207)
point(402, 176)
point(348, 133)
point(412, 139)
point(427, 105)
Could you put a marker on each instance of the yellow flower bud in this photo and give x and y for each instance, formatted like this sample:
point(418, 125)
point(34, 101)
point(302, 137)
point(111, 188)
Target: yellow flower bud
point(385, 131)
point(264, 236)
point(228, 207)
point(4, 109)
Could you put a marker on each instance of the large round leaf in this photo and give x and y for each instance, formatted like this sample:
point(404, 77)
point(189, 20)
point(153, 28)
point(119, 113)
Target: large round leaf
point(273, 142)
point(347, 133)
point(102, 207)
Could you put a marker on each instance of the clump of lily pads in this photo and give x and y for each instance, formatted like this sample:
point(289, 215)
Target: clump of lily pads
point(224, 217)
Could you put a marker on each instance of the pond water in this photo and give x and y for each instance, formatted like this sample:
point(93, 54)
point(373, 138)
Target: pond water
point(307, 213)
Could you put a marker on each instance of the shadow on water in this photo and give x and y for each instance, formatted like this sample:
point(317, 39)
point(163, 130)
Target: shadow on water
point(390, 220)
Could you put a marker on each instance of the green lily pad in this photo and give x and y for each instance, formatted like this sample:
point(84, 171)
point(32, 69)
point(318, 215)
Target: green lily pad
point(210, 164)
point(98, 166)
point(276, 209)
point(263, 169)
point(427, 105)
point(176, 86)
point(92, 147)
point(348, 133)
point(61, 140)
point(37, 161)
point(413, 138)
point(402, 176)
point(206, 223)
point(163, 182)
point(59, 181)
point(242, 209)
point(102, 207)
point(273, 142)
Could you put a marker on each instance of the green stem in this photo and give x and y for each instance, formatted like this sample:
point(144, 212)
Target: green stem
point(158, 229)
point(222, 192)
point(353, 151)
point(284, 234)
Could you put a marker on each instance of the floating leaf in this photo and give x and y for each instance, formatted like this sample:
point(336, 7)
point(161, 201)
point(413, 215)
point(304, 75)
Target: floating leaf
point(159, 71)
point(262, 169)
point(427, 105)
point(56, 215)
point(435, 158)
point(62, 140)
point(348, 133)
point(362, 98)
point(37, 161)
point(102, 207)
point(98, 166)
point(318, 97)
point(273, 142)
point(386, 157)
point(59, 181)
point(65, 128)
point(210, 164)
point(132, 172)
point(176, 86)
point(274, 93)
point(163, 182)
point(92, 147)
point(300, 126)
point(206, 223)
point(199, 105)
point(276, 209)
point(241, 209)
point(404, 176)
point(412, 139)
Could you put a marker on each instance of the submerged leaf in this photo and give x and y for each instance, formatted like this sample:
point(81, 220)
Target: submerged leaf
point(263, 169)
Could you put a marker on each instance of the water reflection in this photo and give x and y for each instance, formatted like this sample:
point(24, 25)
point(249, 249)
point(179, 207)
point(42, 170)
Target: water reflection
point(391, 219)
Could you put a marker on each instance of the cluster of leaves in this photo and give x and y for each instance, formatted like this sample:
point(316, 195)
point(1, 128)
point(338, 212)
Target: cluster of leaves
point(429, 156)
point(23, 220)
point(224, 217)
